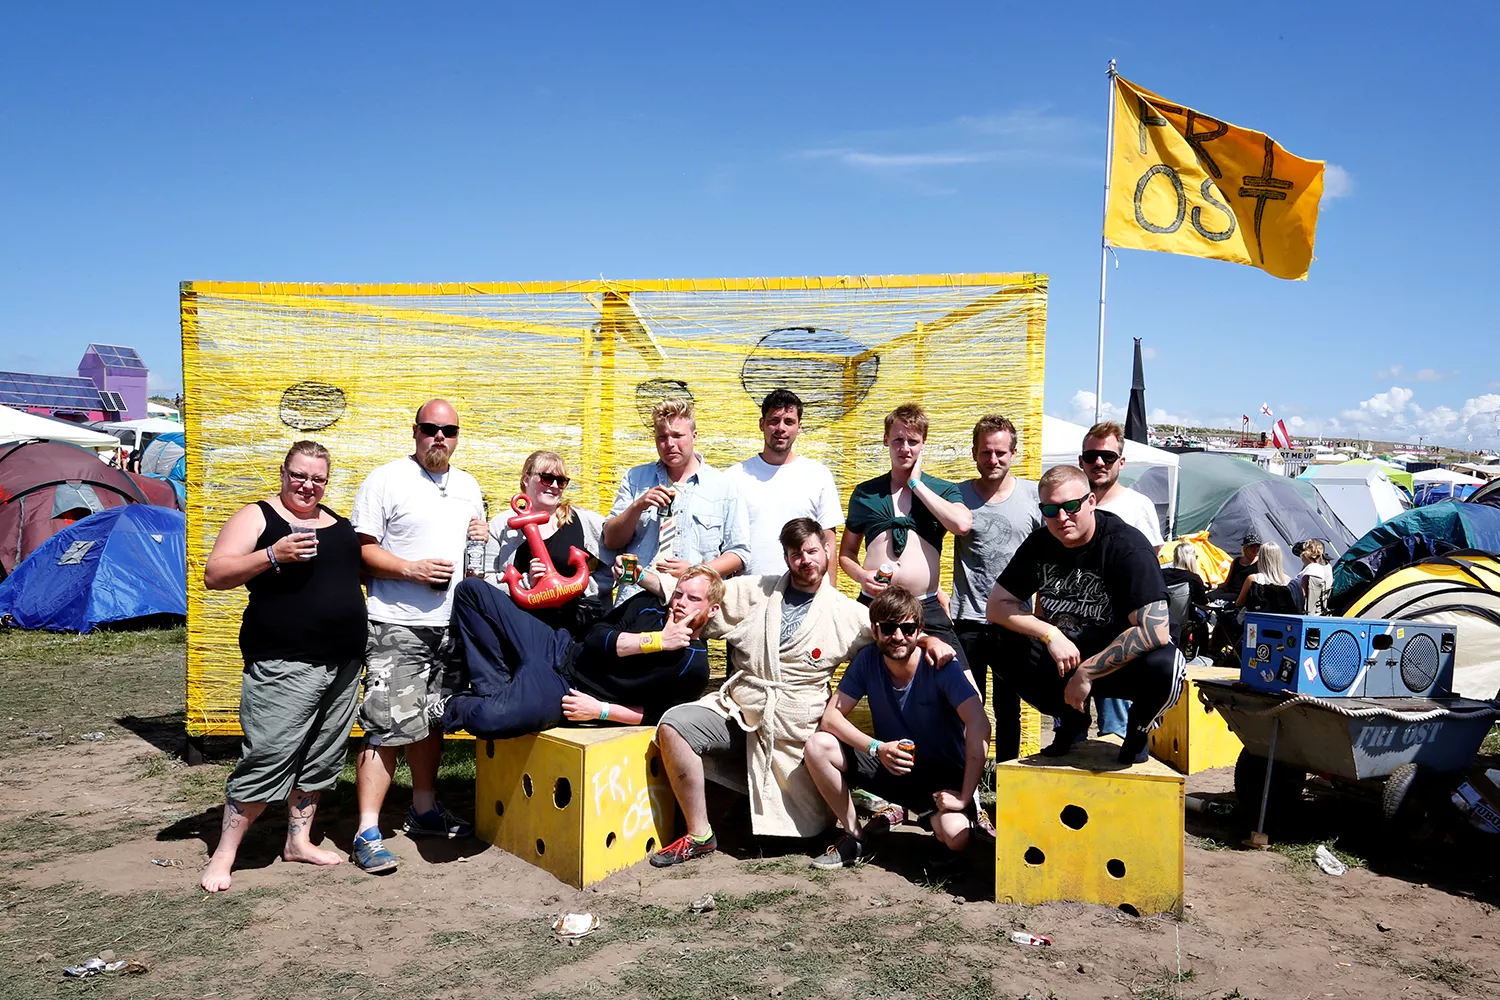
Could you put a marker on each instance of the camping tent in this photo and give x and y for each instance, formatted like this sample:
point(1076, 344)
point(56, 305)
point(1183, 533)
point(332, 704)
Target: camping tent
point(166, 460)
point(1446, 476)
point(1150, 470)
point(18, 425)
point(1434, 530)
point(1461, 588)
point(1487, 494)
point(1231, 496)
point(1361, 496)
point(1393, 472)
point(1436, 485)
point(119, 564)
point(46, 486)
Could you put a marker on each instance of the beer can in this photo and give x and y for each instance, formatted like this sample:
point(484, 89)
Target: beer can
point(630, 569)
point(884, 573)
point(907, 747)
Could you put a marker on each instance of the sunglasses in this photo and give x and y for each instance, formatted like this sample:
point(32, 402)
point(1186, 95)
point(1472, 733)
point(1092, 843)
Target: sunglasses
point(553, 479)
point(431, 430)
point(1051, 510)
point(302, 478)
point(1095, 455)
point(889, 629)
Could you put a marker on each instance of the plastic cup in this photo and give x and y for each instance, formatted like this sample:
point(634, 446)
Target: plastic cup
point(305, 528)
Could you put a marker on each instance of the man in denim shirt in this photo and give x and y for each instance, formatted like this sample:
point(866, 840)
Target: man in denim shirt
point(704, 515)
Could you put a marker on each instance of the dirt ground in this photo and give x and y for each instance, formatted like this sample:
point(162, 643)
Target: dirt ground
point(80, 821)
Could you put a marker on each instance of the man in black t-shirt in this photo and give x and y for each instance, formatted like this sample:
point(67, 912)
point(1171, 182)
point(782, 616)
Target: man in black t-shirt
point(524, 677)
point(1100, 624)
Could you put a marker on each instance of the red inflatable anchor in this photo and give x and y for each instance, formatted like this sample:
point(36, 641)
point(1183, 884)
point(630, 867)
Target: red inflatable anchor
point(553, 588)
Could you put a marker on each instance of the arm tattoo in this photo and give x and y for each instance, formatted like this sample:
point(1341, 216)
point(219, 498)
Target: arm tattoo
point(1152, 633)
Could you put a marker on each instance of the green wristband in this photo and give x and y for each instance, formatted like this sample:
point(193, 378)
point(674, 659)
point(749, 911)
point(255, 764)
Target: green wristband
point(874, 748)
point(604, 711)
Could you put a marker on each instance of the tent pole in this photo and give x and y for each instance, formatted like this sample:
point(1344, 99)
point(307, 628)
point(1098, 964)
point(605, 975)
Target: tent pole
point(1109, 152)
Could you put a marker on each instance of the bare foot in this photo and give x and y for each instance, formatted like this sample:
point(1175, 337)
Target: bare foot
point(310, 854)
point(216, 876)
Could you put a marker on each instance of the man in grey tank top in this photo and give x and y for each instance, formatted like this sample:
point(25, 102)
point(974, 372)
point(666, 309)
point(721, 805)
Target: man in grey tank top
point(1005, 511)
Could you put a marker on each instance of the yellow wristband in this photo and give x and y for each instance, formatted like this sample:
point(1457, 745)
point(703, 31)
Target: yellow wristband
point(1047, 635)
point(651, 642)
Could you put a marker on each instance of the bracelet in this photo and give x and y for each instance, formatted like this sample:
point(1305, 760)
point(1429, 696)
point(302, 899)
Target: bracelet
point(1048, 635)
point(913, 483)
point(604, 711)
point(874, 750)
point(272, 556)
point(650, 642)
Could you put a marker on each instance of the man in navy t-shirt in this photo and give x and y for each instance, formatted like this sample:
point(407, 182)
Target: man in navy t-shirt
point(937, 708)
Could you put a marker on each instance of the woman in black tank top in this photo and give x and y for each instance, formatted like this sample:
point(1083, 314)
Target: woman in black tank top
point(544, 478)
point(303, 638)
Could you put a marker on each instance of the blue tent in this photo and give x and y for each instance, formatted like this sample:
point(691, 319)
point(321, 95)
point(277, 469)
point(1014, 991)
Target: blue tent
point(120, 563)
point(1433, 530)
point(165, 458)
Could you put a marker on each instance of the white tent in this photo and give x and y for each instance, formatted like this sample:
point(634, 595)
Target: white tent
point(18, 425)
point(1361, 496)
point(1446, 476)
point(1150, 470)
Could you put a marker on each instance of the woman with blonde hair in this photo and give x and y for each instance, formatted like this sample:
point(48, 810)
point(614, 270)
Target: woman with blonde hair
point(544, 480)
point(1269, 589)
point(1316, 578)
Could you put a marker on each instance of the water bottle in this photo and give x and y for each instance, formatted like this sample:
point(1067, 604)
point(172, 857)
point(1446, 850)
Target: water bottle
point(474, 558)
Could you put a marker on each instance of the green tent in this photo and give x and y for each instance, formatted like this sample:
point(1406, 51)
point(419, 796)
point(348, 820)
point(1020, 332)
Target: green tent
point(1231, 496)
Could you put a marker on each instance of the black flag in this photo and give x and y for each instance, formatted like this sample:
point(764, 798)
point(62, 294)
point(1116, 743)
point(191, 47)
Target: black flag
point(1135, 416)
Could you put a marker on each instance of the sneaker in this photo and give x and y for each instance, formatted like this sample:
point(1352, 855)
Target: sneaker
point(372, 856)
point(1135, 749)
point(885, 820)
point(983, 829)
point(1064, 740)
point(437, 823)
point(684, 848)
point(846, 852)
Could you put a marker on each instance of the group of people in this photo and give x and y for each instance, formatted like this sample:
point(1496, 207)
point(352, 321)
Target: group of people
point(1057, 596)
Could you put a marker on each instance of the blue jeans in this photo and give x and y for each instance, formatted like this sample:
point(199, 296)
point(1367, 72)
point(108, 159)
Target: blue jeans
point(1114, 715)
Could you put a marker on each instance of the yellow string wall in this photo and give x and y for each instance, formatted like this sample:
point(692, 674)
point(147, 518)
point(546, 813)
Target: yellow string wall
point(575, 367)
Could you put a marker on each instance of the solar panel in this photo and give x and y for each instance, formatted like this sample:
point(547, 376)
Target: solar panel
point(113, 401)
point(56, 392)
point(118, 357)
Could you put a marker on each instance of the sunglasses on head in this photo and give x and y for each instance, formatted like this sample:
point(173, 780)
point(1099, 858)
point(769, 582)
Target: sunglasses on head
point(553, 479)
point(449, 430)
point(889, 629)
point(1098, 455)
point(1050, 510)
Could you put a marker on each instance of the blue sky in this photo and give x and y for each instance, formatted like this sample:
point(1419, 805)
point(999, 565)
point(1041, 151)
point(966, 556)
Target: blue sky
point(146, 144)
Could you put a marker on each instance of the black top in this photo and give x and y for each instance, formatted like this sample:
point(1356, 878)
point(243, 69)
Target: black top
point(1235, 582)
point(1088, 592)
point(654, 681)
point(579, 614)
point(1197, 594)
point(311, 611)
point(1274, 598)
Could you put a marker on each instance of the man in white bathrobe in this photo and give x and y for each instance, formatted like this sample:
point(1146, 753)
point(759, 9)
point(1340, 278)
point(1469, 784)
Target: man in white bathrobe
point(786, 634)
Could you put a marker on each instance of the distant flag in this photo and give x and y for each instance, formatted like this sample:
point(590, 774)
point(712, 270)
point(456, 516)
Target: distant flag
point(1245, 417)
point(1266, 409)
point(1185, 182)
point(1279, 437)
point(1136, 428)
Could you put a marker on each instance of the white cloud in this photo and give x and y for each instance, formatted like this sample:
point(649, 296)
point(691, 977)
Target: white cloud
point(1337, 182)
point(893, 161)
point(1433, 375)
point(1394, 371)
point(1083, 408)
point(1381, 407)
point(1148, 353)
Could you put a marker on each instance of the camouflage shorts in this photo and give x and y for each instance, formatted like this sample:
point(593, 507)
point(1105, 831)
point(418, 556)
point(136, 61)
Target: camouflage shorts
point(409, 674)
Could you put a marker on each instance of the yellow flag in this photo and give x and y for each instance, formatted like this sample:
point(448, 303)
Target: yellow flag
point(1183, 182)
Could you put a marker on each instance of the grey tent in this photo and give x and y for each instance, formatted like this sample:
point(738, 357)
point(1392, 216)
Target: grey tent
point(1232, 496)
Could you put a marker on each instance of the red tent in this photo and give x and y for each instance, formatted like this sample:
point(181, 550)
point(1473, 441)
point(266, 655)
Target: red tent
point(47, 485)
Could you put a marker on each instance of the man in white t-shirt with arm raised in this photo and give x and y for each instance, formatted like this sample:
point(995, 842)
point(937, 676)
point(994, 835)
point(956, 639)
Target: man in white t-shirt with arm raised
point(413, 516)
point(779, 485)
point(1102, 459)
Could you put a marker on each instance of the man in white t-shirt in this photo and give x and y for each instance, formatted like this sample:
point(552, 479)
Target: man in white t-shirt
point(779, 485)
point(1102, 459)
point(413, 516)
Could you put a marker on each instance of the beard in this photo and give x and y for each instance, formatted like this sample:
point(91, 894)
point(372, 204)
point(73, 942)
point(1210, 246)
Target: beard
point(694, 620)
point(434, 458)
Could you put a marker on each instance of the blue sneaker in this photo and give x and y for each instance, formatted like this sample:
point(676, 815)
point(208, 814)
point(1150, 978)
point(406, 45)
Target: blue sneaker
point(371, 855)
point(437, 823)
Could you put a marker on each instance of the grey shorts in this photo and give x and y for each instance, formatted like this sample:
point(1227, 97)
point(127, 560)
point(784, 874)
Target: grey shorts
point(409, 672)
point(705, 731)
point(296, 719)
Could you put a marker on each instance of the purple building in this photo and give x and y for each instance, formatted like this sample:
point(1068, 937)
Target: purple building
point(117, 370)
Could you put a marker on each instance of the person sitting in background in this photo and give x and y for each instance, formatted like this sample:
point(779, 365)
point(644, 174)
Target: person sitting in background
point(524, 677)
point(1316, 578)
point(1186, 596)
point(936, 708)
point(1240, 569)
point(1269, 589)
point(544, 478)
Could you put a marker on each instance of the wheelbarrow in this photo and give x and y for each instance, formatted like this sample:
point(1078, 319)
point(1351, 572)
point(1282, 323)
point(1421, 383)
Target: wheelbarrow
point(1371, 741)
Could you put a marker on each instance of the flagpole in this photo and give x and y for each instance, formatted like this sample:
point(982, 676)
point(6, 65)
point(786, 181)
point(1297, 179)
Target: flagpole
point(1109, 153)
